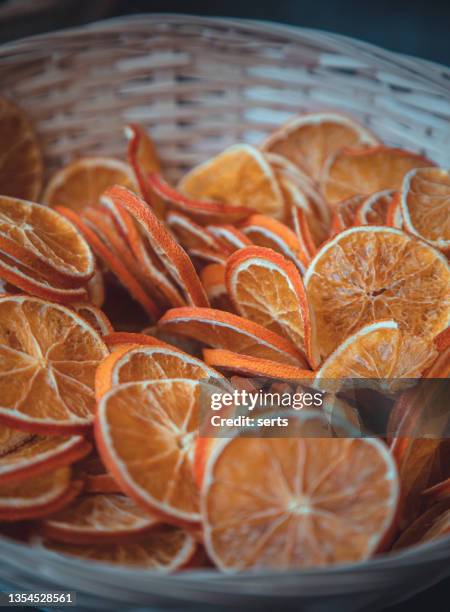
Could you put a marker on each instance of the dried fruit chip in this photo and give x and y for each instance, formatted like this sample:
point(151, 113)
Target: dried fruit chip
point(309, 140)
point(145, 433)
point(266, 232)
point(225, 330)
point(355, 171)
point(379, 351)
point(82, 182)
point(253, 366)
point(374, 209)
point(95, 317)
point(141, 363)
point(99, 518)
point(173, 257)
point(42, 239)
point(267, 289)
point(310, 501)
point(37, 496)
point(425, 204)
point(40, 455)
point(239, 176)
point(372, 273)
point(164, 549)
point(52, 353)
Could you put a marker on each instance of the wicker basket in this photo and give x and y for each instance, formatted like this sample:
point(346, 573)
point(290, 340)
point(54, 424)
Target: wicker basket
point(200, 85)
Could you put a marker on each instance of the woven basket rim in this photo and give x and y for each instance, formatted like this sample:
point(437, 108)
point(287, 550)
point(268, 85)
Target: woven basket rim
point(416, 68)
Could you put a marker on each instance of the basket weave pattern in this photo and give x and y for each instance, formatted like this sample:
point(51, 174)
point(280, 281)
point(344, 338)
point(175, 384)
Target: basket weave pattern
point(202, 84)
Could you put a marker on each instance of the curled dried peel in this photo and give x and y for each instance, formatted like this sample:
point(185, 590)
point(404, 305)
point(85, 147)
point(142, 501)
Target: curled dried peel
point(52, 355)
point(371, 273)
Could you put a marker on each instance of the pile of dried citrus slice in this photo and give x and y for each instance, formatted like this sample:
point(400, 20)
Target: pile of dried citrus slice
point(320, 255)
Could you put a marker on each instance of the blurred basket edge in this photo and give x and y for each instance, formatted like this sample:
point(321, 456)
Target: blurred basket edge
point(200, 84)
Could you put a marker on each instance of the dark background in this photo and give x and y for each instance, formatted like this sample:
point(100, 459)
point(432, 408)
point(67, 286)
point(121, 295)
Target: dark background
point(414, 27)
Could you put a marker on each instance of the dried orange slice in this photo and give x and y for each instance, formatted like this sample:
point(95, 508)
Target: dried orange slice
point(173, 257)
point(309, 140)
point(191, 235)
point(82, 182)
point(394, 214)
point(151, 268)
point(267, 289)
point(164, 549)
point(371, 273)
point(230, 237)
point(98, 518)
point(355, 171)
point(213, 279)
point(442, 340)
point(114, 263)
point(207, 256)
point(344, 214)
point(95, 317)
point(94, 475)
point(149, 448)
point(379, 351)
point(41, 238)
point(425, 204)
point(253, 366)
point(37, 496)
point(416, 459)
point(432, 524)
point(240, 176)
point(21, 168)
point(141, 363)
point(303, 230)
point(52, 353)
point(312, 500)
point(374, 209)
point(298, 188)
point(143, 158)
point(33, 281)
point(40, 455)
point(206, 211)
point(219, 329)
point(266, 232)
point(10, 439)
point(439, 491)
point(95, 288)
point(106, 230)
